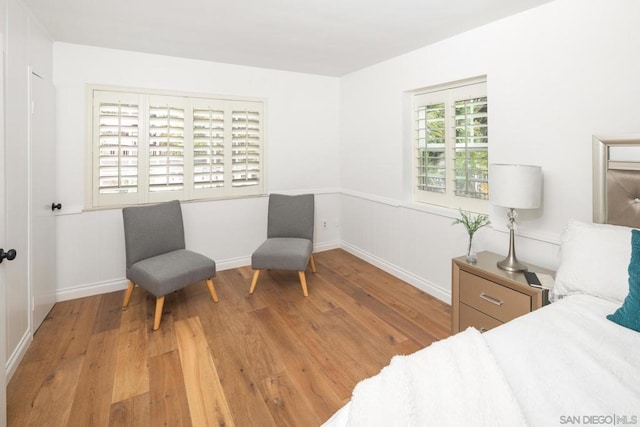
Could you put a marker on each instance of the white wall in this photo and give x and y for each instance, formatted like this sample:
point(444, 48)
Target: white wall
point(302, 123)
point(557, 75)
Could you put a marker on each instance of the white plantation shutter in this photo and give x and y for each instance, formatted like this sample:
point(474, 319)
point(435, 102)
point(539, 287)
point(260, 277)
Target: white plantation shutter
point(471, 148)
point(149, 147)
point(246, 145)
point(166, 147)
point(431, 148)
point(208, 146)
point(451, 146)
point(431, 126)
point(116, 158)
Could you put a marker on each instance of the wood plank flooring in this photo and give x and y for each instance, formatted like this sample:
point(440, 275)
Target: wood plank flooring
point(272, 358)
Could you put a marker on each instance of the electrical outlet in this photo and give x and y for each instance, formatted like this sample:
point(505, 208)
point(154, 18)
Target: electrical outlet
point(324, 224)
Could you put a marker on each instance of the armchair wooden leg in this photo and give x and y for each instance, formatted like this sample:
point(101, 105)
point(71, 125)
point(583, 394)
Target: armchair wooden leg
point(158, 315)
point(254, 281)
point(127, 294)
point(312, 263)
point(212, 290)
point(303, 282)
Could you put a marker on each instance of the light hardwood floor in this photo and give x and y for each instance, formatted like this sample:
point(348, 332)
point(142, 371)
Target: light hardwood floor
point(272, 358)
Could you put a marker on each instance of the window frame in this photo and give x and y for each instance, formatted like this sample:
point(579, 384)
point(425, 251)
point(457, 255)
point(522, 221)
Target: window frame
point(448, 94)
point(94, 200)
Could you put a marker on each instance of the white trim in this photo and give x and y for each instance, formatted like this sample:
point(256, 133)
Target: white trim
point(230, 263)
point(30, 296)
point(16, 357)
point(470, 81)
point(551, 238)
point(98, 288)
point(372, 198)
point(447, 213)
point(80, 209)
point(327, 246)
point(416, 281)
point(90, 289)
point(316, 191)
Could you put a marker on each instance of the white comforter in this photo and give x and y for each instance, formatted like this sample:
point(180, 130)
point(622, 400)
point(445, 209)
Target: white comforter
point(563, 364)
point(453, 382)
point(567, 362)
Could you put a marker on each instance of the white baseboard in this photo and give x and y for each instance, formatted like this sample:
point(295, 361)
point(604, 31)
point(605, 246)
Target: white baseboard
point(400, 273)
point(14, 358)
point(91, 289)
point(228, 264)
point(327, 246)
point(97, 288)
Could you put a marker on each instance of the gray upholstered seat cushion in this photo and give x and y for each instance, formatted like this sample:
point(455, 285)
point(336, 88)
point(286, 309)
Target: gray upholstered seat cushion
point(165, 273)
point(283, 253)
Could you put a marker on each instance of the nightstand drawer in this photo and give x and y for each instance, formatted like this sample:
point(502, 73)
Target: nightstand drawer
point(499, 302)
point(472, 317)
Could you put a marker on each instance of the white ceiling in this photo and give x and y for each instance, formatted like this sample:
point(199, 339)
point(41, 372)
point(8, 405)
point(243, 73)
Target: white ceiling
point(329, 37)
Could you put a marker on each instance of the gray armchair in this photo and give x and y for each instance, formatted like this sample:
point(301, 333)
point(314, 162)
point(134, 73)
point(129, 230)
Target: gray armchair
point(289, 243)
point(156, 256)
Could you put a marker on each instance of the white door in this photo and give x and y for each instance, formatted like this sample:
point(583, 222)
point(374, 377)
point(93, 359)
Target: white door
point(16, 184)
point(43, 190)
point(3, 243)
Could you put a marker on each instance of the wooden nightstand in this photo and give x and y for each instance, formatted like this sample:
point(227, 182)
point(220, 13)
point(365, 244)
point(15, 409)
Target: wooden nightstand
point(485, 296)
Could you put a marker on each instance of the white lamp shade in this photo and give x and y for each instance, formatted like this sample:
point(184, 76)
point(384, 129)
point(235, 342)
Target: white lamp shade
point(515, 186)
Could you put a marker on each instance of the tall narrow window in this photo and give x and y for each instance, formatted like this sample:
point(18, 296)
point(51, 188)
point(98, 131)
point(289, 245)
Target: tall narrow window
point(451, 146)
point(150, 147)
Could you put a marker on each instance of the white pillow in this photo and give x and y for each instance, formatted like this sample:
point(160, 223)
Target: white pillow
point(594, 260)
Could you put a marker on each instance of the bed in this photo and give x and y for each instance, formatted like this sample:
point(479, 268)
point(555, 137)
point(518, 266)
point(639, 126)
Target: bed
point(573, 362)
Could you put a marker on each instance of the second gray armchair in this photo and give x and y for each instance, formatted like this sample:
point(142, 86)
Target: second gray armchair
point(289, 244)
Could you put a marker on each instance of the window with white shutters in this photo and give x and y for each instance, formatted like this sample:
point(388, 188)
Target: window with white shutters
point(451, 146)
point(151, 147)
point(245, 147)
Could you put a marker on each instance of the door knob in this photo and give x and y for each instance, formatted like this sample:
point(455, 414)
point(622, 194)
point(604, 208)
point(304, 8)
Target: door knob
point(9, 255)
point(55, 206)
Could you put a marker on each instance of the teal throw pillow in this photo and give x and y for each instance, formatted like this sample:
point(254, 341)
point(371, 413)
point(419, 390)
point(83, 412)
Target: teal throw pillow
point(629, 314)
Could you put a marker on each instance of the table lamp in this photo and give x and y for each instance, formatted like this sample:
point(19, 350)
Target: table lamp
point(514, 187)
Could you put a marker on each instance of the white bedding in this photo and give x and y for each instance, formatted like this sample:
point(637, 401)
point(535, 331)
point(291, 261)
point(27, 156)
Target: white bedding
point(567, 360)
point(565, 364)
point(471, 388)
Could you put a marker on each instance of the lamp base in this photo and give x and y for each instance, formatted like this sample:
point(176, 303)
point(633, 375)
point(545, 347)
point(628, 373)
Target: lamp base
point(511, 263)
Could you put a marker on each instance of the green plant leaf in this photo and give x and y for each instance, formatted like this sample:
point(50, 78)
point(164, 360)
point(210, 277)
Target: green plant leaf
point(472, 222)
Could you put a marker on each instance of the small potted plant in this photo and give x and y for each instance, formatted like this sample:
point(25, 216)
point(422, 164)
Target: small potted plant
point(472, 223)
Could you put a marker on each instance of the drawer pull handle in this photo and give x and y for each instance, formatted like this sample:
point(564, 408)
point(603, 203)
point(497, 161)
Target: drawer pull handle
point(491, 299)
point(483, 329)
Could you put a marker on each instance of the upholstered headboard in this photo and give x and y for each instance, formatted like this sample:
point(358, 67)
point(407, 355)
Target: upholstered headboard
point(616, 180)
